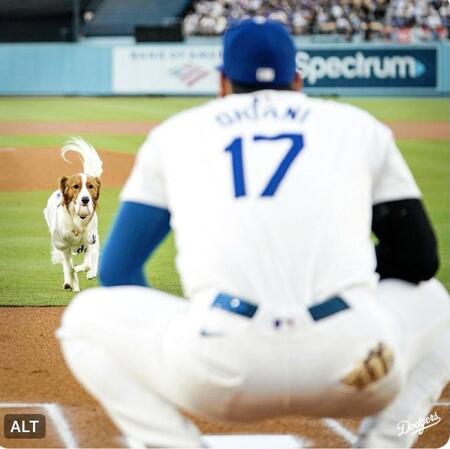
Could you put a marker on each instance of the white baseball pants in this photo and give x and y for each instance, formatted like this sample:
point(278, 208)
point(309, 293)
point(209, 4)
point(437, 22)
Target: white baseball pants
point(144, 355)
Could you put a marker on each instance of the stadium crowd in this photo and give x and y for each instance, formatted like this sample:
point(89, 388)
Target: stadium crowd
point(397, 20)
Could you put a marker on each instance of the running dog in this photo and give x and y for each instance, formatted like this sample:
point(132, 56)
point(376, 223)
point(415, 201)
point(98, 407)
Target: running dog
point(71, 215)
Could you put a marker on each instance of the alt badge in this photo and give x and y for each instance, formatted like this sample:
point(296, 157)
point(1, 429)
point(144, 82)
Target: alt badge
point(24, 426)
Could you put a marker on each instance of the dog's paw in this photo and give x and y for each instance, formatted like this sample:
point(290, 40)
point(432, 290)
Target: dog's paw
point(67, 286)
point(91, 276)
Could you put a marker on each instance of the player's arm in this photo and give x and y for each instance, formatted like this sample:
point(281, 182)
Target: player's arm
point(142, 221)
point(407, 247)
point(137, 231)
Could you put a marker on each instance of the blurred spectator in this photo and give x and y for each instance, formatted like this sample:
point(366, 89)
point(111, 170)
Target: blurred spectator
point(398, 20)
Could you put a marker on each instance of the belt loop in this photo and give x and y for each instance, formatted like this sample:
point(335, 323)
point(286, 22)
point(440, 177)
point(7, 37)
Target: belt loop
point(327, 308)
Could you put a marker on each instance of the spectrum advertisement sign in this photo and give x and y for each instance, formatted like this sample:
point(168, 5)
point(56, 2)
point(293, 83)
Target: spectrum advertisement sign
point(368, 68)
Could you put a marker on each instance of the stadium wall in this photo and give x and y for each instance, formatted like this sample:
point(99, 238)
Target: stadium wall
point(190, 69)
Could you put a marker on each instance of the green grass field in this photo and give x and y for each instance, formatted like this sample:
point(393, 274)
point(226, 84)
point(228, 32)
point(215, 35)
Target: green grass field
point(28, 278)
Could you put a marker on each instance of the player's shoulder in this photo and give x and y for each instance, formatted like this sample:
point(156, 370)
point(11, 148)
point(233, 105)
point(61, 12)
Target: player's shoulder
point(348, 113)
point(337, 107)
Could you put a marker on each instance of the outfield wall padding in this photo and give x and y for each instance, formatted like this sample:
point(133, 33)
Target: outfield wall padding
point(89, 68)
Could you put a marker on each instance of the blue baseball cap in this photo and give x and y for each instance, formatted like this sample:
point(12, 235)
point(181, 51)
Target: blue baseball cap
point(258, 51)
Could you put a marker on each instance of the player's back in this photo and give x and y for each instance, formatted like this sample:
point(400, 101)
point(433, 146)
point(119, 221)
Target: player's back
point(270, 195)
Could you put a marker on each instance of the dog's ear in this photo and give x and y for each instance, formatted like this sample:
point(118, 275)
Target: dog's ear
point(63, 188)
point(63, 184)
point(99, 185)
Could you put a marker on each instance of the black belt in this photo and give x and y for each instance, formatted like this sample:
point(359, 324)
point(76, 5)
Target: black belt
point(245, 308)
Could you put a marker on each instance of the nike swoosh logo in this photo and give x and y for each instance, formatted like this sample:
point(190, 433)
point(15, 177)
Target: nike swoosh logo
point(205, 333)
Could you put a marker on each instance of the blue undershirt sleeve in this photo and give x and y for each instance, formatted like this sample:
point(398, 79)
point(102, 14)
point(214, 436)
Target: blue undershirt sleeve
point(138, 229)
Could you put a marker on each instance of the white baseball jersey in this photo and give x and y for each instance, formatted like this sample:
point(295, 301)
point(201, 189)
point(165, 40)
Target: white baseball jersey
point(271, 193)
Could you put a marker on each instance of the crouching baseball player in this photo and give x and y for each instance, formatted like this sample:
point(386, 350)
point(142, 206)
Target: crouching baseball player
point(272, 197)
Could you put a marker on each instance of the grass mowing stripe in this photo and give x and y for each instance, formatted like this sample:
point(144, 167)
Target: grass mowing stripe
point(405, 109)
point(159, 108)
point(84, 108)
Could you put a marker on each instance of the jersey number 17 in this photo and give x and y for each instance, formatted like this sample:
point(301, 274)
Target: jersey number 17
point(235, 149)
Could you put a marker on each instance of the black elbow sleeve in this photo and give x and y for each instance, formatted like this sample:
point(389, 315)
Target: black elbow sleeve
point(407, 247)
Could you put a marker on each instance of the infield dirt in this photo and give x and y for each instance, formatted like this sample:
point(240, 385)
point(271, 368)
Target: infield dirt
point(25, 169)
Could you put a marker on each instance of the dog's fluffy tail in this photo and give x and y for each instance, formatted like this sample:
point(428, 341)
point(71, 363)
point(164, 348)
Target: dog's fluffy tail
point(92, 164)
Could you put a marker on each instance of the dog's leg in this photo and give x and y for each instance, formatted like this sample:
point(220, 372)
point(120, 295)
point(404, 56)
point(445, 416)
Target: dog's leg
point(76, 285)
point(90, 261)
point(67, 268)
point(94, 254)
point(70, 276)
point(57, 256)
point(87, 264)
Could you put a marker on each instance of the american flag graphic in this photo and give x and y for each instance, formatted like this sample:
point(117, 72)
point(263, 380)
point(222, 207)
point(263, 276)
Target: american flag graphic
point(189, 73)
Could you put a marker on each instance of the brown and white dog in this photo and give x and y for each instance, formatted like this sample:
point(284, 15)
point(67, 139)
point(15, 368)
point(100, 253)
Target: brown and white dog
point(71, 215)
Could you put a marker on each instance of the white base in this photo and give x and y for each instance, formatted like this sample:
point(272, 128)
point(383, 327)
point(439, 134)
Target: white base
point(253, 442)
point(262, 441)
